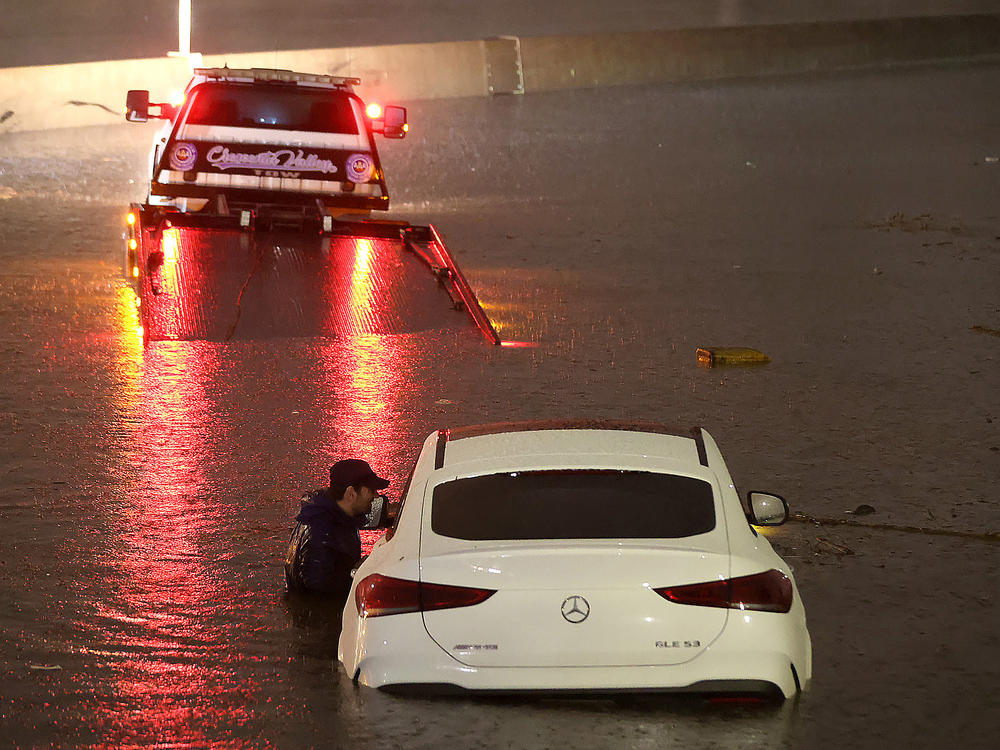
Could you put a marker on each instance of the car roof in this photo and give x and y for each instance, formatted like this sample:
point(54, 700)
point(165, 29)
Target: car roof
point(536, 443)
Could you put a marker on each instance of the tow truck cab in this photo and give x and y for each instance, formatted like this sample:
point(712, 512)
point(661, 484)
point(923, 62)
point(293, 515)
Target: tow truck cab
point(268, 140)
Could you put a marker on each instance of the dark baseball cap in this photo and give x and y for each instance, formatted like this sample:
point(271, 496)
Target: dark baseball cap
point(353, 471)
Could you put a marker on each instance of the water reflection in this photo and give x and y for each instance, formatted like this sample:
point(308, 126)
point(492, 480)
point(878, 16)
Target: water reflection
point(165, 276)
point(363, 380)
point(171, 623)
point(168, 616)
point(318, 621)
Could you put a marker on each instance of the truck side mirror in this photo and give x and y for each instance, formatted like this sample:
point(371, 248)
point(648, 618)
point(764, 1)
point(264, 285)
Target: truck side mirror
point(767, 509)
point(395, 122)
point(137, 106)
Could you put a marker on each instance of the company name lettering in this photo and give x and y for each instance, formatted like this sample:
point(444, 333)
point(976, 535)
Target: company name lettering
point(221, 157)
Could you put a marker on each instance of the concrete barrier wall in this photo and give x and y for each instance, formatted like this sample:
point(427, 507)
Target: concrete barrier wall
point(93, 93)
point(552, 63)
point(396, 72)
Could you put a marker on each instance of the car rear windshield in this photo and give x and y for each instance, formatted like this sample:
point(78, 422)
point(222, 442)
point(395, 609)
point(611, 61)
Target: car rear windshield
point(273, 107)
point(573, 504)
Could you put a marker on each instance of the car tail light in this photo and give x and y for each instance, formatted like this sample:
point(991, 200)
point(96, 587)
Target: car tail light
point(379, 595)
point(763, 592)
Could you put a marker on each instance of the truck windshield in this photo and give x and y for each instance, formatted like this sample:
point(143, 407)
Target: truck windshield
point(273, 107)
point(573, 504)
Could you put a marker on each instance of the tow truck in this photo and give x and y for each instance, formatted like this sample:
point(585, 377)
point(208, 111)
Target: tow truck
point(273, 175)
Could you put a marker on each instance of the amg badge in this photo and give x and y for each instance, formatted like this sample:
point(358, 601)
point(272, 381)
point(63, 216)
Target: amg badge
point(678, 644)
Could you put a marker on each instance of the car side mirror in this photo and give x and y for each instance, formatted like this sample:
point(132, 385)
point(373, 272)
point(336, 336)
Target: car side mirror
point(378, 516)
point(767, 509)
point(137, 106)
point(395, 122)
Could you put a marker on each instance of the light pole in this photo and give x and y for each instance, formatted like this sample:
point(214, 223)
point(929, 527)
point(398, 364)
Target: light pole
point(184, 27)
point(184, 34)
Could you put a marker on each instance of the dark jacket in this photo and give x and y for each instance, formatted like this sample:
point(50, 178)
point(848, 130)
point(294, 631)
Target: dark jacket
point(325, 547)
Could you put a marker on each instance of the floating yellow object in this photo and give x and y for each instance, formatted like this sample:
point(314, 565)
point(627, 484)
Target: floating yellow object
point(716, 356)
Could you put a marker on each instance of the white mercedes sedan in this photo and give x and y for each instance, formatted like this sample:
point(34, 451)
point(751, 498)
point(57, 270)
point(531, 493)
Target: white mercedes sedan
point(581, 557)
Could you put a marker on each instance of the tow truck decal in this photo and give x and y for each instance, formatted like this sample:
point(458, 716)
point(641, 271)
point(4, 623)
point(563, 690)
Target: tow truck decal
point(221, 157)
point(359, 168)
point(183, 157)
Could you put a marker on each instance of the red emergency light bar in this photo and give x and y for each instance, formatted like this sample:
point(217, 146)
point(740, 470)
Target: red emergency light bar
point(276, 75)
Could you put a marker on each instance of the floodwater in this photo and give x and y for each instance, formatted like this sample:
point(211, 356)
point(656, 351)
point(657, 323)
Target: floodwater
point(847, 225)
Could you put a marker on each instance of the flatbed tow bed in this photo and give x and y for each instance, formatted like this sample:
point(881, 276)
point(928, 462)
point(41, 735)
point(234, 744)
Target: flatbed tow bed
point(204, 276)
point(257, 218)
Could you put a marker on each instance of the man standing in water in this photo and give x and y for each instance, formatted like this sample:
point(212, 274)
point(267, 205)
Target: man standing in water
point(325, 545)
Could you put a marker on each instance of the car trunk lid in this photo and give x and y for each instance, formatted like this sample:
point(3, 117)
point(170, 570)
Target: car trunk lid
point(585, 603)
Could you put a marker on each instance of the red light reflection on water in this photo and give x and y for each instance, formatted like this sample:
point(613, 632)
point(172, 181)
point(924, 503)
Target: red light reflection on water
point(362, 371)
point(170, 626)
point(164, 620)
point(166, 281)
point(169, 272)
point(170, 245)
point(351, 304)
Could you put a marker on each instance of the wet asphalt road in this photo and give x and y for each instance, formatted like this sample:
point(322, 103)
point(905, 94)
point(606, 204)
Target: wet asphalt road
point(847, 225)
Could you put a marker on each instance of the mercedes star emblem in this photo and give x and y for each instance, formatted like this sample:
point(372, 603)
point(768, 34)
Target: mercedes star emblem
point(575, 609)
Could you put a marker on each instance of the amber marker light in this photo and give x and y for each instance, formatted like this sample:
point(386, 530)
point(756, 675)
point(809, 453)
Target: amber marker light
point(135, 272)
point(130, 219)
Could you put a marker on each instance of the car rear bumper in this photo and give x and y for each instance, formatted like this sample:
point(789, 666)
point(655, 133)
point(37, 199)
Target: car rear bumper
point(760, 689)
point(747, 673)
point(396, 653)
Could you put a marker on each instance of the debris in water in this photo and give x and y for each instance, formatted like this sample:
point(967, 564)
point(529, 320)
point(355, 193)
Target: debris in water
point(716, 356)
point(988, 331)
point(825, 545)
